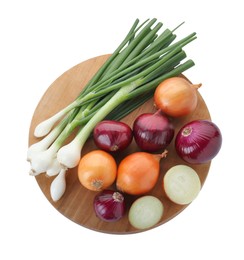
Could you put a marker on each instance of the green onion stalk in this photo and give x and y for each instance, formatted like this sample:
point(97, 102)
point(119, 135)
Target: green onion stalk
point(124, 82)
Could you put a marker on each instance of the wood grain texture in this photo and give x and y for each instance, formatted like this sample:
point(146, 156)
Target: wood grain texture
point(77, 202)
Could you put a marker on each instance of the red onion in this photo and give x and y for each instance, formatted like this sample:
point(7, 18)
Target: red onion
point(153, 132)
point(112, 135)
point(198, 141)
point(109, 205)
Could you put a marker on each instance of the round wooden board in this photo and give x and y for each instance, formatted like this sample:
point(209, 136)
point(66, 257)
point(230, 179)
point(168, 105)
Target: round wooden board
point(77, 202)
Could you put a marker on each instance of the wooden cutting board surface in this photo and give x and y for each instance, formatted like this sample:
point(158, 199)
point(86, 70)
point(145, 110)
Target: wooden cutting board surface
point(77, 202)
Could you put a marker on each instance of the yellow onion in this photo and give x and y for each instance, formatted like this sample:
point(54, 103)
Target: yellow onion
point(176, 96)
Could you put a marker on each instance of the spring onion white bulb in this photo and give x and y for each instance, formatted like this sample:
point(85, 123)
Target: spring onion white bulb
point(45, 126)
point(58, 186)
point(43, 144)
point(42, 161)
point(69, 155)
point(54, 168)
point(35, 149)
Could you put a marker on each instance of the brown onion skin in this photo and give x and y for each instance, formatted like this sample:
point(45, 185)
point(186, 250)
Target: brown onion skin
point(153, 132)
point(112, 136)
point(176, 96)
point(107, 208)
point(198, 141)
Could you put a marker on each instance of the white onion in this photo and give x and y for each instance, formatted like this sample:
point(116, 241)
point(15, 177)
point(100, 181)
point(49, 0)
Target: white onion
point(145, 212)
point(182, 184)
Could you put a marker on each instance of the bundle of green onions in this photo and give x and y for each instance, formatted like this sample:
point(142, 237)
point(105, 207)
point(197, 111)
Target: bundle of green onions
point(126, 80)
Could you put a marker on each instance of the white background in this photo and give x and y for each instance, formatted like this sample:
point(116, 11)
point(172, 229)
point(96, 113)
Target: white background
point(42, 39)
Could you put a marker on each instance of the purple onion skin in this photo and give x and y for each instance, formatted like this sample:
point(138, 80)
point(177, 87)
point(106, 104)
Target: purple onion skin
point(152, 132)
point(112, 136)
point(198, 141)
point(109, 205)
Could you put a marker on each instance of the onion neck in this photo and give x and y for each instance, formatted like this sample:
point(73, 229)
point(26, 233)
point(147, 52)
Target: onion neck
point(196, 86)
point(160, 155)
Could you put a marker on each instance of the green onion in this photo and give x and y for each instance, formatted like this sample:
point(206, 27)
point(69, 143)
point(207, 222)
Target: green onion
point(126, 80)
